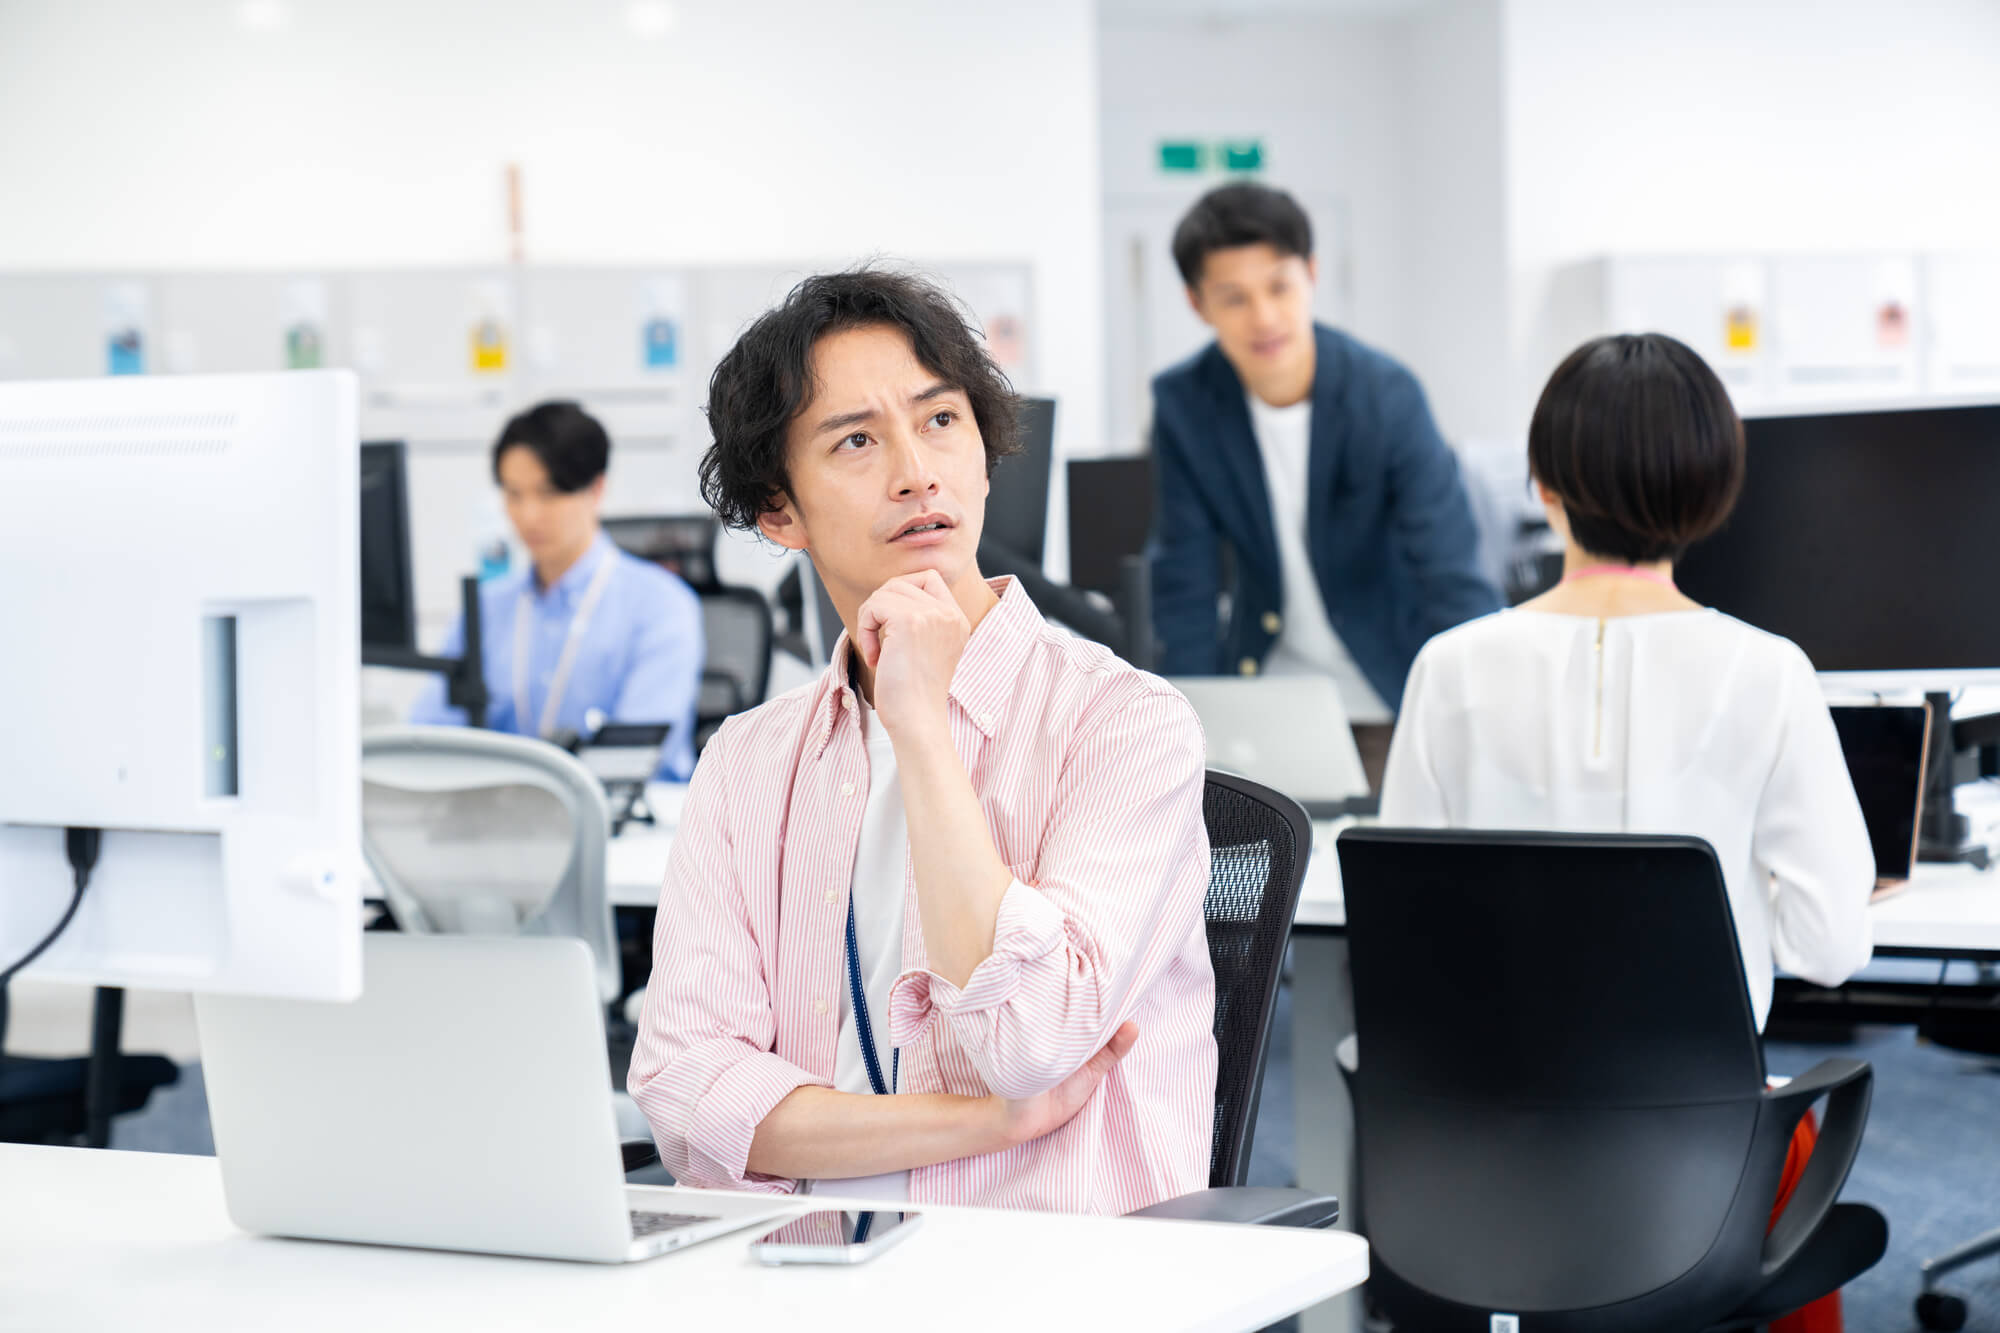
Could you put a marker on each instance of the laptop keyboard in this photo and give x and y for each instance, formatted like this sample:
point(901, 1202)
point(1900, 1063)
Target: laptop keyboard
point(652, 1224)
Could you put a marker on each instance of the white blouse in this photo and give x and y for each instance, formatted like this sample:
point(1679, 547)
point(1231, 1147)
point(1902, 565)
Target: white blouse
point(1687, 722)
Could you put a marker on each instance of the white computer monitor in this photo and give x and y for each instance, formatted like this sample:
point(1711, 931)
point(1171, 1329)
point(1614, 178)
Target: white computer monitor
point(181, 615)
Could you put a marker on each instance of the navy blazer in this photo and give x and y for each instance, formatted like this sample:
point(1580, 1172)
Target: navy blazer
point(1390, 534)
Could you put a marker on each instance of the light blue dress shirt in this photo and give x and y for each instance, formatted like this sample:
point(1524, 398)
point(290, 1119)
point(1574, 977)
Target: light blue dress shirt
point(639, 659)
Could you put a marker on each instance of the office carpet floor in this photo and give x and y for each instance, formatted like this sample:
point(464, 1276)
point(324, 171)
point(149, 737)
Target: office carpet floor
point(1930, 1162)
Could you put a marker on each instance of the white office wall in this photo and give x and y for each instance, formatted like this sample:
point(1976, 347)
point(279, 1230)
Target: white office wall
point(1452, 166)
point(1320, 91)
point(1725, 126)
point(373, 133)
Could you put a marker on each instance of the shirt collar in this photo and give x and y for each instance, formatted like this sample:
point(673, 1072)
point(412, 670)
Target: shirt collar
point(577, 577)
point(982, 683)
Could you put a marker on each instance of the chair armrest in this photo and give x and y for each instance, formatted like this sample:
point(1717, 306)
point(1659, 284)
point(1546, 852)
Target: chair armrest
point(1848, 1086)
point(638, 1153)
point(1257, 1205)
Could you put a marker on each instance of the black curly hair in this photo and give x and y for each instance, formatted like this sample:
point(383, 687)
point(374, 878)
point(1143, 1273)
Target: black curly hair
point(766, 379)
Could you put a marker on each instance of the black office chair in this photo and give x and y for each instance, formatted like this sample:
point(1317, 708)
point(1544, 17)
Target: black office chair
point(737, 625)
point(71, 1100)
point(1258, 843)
point(1561, 1106)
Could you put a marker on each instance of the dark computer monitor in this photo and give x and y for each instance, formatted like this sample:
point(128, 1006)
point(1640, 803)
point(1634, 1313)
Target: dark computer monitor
point(1017, 506)
point(388, 605)
point(1110, 518)
point(1867, 538)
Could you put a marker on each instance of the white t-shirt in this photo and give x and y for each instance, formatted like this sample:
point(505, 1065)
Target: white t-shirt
point(880, 860)
point(1306, 642)
point(1686, 722)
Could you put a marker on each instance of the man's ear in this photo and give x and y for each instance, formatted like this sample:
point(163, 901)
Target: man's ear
point(782, 525)
point(1194, 304)
point(1312, 270)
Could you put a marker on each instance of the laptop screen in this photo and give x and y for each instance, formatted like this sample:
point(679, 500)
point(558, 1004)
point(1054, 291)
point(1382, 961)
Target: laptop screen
point(1884, 745)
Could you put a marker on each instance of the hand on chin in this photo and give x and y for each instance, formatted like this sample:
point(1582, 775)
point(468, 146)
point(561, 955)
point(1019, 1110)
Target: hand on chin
point(911, 631)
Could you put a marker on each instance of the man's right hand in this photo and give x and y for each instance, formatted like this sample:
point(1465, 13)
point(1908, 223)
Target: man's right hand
point(1031, 1117)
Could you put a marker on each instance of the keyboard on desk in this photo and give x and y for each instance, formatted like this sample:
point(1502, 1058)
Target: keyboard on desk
point(652, 1224)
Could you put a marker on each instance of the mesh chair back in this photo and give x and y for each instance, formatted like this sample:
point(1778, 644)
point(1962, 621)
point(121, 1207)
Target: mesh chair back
point(1560, 1082)
point(475, 832)
point(1258, 844)
point(737, 625)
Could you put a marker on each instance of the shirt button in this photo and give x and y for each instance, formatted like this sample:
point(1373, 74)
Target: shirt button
point(847, 789)
point(1272, 624)
point(1248, 666)
point(819, 1006)
point(832, 896)
point(986, 721)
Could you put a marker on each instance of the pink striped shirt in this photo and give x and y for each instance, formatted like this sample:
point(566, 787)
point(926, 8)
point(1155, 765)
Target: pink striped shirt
point(1090, 773)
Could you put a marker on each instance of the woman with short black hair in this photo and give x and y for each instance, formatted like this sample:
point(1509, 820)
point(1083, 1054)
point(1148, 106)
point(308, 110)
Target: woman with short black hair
point(1614, 704)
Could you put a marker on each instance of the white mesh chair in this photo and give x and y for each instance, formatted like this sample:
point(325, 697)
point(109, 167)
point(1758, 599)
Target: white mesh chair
point(481, 833)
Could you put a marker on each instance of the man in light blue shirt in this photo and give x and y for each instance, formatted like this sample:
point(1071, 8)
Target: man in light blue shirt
point(585, 627)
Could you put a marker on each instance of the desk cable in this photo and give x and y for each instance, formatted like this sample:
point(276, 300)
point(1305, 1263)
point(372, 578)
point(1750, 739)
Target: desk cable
point(82, 845)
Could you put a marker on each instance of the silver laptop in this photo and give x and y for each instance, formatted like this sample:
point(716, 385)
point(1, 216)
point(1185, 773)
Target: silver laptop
point(462, 1103)
point(1287, 732)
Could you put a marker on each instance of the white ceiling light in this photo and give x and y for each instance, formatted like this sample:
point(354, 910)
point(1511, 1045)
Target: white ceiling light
point(651, 19)
point(263, 15)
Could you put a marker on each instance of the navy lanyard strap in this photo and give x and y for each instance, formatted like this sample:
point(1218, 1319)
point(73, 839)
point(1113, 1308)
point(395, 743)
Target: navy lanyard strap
point(864, 1028)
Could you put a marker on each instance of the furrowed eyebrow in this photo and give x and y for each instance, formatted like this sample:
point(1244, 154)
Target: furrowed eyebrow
point(841, 421)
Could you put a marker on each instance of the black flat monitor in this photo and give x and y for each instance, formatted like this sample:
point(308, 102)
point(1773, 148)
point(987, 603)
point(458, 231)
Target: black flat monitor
point(1867, 538)
point(1017, 506)
point(1110, 518)
point(388, 605)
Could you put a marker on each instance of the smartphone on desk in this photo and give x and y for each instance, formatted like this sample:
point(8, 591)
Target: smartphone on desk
point(834, 1236)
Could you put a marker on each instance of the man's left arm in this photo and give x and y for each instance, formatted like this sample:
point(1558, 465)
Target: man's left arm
point(663, 679)
point(1039, 976)
point(1430, 519)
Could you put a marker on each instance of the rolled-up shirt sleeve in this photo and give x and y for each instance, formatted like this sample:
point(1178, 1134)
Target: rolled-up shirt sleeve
point(703, 1069)
point(1116, 897)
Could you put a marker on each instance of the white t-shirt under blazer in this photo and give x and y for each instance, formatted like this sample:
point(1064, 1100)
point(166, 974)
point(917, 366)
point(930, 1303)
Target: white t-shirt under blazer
point(1686, 722)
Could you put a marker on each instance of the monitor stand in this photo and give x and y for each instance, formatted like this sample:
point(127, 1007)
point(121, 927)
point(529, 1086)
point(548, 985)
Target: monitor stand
point(465, 675)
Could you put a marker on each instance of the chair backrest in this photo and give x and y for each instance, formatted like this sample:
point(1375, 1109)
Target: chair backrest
point(481, 833)
point(1258, 844)
point(683, 543)
point(738, 628)
point(1560, 1082)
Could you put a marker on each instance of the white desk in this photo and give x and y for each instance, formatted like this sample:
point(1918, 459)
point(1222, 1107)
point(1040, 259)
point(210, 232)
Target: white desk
point(1947, 908)
point(635, 864)
point(117, 1240)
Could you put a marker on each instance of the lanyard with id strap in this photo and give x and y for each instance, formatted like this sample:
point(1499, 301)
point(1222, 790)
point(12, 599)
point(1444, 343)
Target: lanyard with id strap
point(579, 625)
point(864, 1027)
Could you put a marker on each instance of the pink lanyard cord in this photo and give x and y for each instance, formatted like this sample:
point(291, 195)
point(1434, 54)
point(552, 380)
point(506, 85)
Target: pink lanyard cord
point(1628, 571)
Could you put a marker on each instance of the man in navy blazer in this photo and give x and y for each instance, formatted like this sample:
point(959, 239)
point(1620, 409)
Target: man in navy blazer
point(1314, 459)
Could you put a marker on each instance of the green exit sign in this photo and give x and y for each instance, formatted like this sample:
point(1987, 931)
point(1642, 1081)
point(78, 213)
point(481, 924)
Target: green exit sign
point(1243, 155)
point(1195, 156)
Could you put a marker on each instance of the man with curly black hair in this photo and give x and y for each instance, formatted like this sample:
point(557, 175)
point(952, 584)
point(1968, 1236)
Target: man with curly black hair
point(932, 928)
